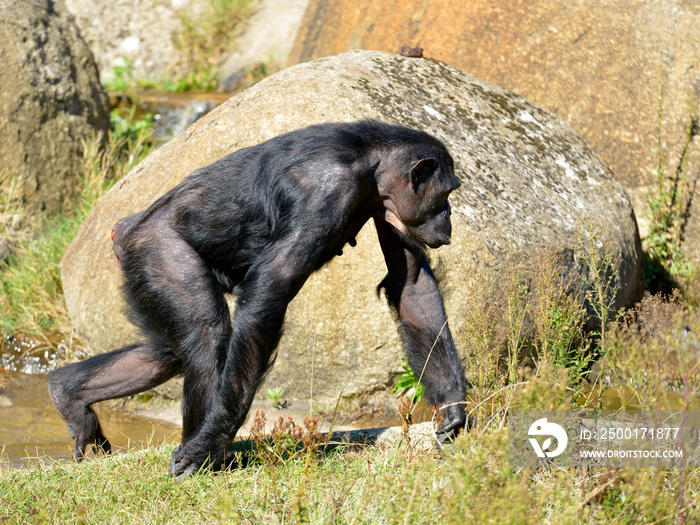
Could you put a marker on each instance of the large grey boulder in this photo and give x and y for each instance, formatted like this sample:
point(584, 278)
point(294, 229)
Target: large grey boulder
point(50, 101)
point(527, 181)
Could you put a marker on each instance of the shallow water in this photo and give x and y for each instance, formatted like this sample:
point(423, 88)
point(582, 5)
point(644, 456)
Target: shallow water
point(30, 427)
point(172, 112)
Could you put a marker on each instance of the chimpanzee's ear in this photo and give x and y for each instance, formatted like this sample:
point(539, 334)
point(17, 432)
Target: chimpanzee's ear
point(421, 170)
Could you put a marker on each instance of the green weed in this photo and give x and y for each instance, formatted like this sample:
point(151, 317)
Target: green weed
point(669, 205)
point(205, 38)
point(407, 384)
point(122, 79)
point(128, 129)
point(276, 397)
point(200, 78)
point(600, 277)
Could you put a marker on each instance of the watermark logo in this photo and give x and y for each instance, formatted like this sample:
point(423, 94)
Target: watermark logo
point(610, 438)
point(542, 427)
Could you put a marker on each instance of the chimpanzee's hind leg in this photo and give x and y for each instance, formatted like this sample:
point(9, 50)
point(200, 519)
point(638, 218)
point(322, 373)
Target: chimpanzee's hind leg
point(123, 372)
point(176, 298)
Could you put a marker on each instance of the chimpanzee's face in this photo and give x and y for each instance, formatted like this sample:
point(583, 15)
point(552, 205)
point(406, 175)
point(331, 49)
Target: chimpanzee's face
point(418, 205)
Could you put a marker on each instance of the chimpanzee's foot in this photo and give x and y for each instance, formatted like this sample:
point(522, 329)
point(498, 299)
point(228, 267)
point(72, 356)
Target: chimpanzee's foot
point(90, 438)
point(82, 422)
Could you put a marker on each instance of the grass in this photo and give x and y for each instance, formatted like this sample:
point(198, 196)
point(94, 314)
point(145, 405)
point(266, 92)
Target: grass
point(407, 383)
point(340, 488)
point(289, 479)
point(276, 397)
point(648, 359)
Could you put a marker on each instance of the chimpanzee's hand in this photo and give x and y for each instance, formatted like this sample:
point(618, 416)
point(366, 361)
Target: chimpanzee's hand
point(182, 465)
point(454, 420)
point(188, 459)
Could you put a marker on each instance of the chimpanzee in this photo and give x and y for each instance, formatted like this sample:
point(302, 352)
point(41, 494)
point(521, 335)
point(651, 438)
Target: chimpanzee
point(257, 223)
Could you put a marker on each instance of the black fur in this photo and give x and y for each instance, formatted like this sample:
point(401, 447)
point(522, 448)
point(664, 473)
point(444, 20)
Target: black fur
point(257, 223)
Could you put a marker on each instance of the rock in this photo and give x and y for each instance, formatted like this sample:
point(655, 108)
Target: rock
point(144, 32)
point(147, 34)
point(267, 38)
point(420, 435)
point(527, 181)
point(604, 67)
point(50, 101)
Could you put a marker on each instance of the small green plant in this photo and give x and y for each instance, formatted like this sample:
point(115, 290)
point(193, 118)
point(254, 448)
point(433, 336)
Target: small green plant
point(558, 319)
point(122, 80)
point(407, 384)
point(276, 397)
point(516, 293)
point(202, 78)
point(480, 337)
point(130, 129)
point(286, 441)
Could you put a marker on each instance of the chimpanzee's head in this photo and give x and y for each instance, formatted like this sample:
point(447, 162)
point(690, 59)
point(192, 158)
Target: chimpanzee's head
point(415, 196)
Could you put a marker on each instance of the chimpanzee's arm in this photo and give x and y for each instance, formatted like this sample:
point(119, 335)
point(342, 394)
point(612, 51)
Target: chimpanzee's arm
point(413, 291)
